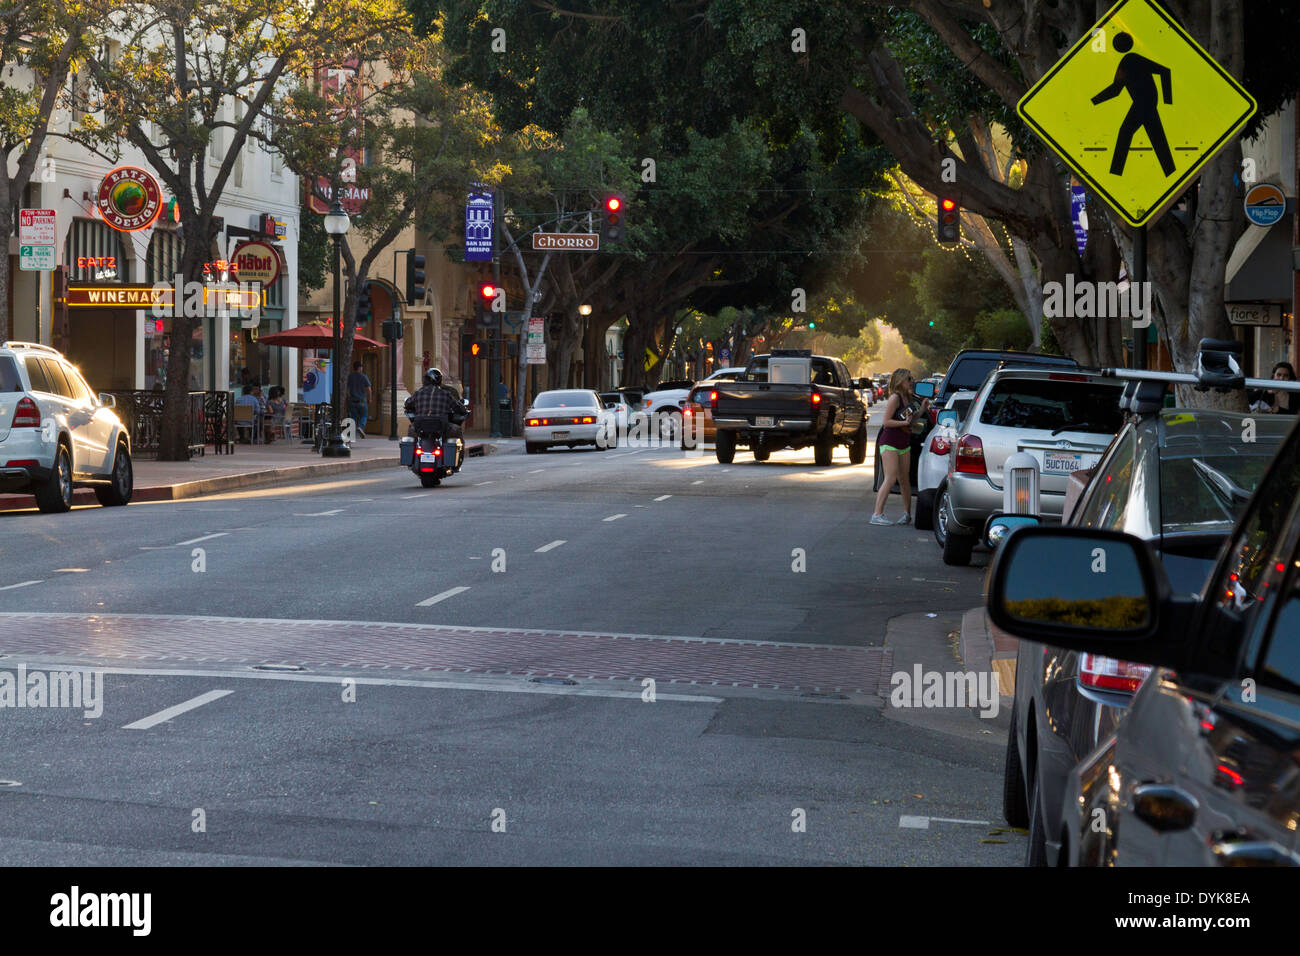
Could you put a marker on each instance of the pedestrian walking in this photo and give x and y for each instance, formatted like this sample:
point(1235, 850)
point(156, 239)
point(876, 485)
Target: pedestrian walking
point(358, 397)
point(895, 443)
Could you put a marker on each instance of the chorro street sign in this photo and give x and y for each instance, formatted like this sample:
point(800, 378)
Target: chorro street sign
point(576, 241)
point(1136, 108)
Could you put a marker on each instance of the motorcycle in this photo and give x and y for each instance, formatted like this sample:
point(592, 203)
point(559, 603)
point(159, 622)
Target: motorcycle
point(429, 453)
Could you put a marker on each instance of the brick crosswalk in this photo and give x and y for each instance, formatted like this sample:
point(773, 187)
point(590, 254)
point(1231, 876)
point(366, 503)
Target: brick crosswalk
point(444, 648)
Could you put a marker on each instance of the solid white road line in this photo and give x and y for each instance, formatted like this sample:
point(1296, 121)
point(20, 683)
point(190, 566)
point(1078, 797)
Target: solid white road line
point(923, 823)
point(698, 482)
point(450, 592)
point(164, 715)
point(206, 537)
point(21, 584)
point(420, 495)
point(486, 684)
point(547, 547)
point(482, 483)
point(71, 570)
point(663, 497)
point(537, 471)
point(614, 517)
point(316, 514)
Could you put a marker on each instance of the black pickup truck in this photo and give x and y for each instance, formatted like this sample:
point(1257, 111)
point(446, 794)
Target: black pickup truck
point(791, 399)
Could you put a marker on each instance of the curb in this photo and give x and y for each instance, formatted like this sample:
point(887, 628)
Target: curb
point(252, 479)
point(976, 641)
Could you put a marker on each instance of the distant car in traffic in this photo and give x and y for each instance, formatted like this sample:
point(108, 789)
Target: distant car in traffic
point(662, 407)
point(569, 417)
point(933, 466)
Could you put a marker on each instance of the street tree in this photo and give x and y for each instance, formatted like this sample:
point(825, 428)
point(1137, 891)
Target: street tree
point(39, 42)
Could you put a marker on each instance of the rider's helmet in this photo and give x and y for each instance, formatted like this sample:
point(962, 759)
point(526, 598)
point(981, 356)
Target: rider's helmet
point(433, 377)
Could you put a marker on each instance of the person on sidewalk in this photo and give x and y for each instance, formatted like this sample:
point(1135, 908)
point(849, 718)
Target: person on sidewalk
point(358, 397)
point(895, 444)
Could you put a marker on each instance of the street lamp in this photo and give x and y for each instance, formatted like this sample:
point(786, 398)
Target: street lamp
point(584, 309)
point(336, 225)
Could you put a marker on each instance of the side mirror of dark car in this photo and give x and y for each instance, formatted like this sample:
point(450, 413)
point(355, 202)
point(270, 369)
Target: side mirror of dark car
point(1099, 592)
point(925, 389)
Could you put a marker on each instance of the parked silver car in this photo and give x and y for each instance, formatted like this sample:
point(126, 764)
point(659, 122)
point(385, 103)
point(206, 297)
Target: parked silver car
point(55, 433)
point(1063, 419)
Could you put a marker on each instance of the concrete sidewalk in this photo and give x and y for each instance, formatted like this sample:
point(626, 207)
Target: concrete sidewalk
point(251, 466)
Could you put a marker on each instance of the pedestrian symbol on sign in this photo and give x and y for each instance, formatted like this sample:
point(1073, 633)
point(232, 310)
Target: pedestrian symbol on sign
point(1136, 76)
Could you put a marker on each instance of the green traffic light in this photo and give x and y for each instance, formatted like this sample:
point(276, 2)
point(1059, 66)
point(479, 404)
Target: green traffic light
point(932, 323)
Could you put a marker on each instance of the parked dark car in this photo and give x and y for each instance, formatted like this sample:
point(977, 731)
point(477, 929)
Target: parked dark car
point(1177, 478)
point(1202, 770)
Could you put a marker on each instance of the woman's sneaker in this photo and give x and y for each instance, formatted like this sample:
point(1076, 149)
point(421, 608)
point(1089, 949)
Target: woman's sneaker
point(881, 519)
point(906, 519)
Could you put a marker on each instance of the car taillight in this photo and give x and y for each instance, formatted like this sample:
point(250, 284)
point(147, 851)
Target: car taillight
point(816, 398)
point(970, 455)
point(1108, 673)
point(939, 445)
point(27, 415)
point(534, 421)
point(934, 416)
point(586, 420)
point(686, 412)
point(713, 400)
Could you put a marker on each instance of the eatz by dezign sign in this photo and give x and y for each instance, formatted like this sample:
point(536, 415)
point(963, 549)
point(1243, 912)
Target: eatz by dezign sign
point(257, 262)
point(129, 198)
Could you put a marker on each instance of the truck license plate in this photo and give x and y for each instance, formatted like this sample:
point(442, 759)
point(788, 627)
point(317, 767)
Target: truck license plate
point(559, 434)
point(1056, 463)
point(765, 421)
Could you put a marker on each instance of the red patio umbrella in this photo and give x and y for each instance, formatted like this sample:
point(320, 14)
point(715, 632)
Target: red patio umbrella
point(316, 335)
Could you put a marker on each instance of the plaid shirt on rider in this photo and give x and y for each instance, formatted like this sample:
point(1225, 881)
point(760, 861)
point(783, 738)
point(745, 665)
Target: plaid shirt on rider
point(430, 400)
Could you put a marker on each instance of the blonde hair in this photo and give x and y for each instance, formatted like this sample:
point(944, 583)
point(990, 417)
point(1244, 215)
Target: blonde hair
point(897, 379)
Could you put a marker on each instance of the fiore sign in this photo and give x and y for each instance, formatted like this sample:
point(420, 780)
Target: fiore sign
point(256, 262)
point(129, 199)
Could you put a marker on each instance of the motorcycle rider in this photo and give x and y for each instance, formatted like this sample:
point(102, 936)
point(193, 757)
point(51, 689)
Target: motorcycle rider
point(440, 401)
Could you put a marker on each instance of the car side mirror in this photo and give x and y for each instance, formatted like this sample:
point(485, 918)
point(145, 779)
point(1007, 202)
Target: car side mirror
point(1084, 589)
point(925, 390)
point(948, 417)
point(107, 401)
point(611, 405)
point(999, 526)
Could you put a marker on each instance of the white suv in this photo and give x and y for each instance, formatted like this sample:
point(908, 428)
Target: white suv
point(55, 433)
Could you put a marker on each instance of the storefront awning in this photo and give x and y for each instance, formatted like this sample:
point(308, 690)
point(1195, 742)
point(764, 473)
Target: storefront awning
point(1261, 266)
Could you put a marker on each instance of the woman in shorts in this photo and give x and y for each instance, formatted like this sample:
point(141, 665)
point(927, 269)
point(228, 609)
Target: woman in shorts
point(895, 443)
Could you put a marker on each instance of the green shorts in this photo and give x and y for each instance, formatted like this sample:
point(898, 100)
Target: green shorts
point(901, 451)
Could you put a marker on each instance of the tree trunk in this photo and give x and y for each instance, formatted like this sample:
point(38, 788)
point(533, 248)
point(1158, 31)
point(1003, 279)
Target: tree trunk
point(6, 230)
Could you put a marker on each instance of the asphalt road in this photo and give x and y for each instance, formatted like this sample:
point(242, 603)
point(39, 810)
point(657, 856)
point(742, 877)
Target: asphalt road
point(631, 656)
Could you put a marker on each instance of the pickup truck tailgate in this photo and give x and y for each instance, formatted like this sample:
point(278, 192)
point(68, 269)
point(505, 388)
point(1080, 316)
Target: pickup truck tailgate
point(754, 400)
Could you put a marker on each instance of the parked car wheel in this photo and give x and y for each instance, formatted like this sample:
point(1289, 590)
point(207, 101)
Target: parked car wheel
point(939, 518)
point(925, 509)
point(724, 446)
point(858, 448)
point(1013, 781)
point(957, 549)
point(761, 452)
point(118, 491)
point(1036, 851)
point(534, 448)
point(55, 495)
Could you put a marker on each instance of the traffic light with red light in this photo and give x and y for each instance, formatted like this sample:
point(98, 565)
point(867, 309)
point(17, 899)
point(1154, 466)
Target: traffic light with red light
point(613, 219)
point(949, 221)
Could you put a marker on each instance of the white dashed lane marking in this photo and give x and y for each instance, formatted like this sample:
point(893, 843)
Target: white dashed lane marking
point(614, 517)
point(450, 592)
point(154, 720)
point(206, 537)
point(313, 514)
point(663, 497)
point(20, 584)
point(547, 547)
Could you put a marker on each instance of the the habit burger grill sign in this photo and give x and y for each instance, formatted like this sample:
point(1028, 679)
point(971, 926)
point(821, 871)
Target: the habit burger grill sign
point(129, 199)
point(256, 262)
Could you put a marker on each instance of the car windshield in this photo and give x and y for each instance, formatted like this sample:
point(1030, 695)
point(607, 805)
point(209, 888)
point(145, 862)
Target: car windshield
point(1209, 492)
point(573, 399)
point(9, 380)
point(1054, 405)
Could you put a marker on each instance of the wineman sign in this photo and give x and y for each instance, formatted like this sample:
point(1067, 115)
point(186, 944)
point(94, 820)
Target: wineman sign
point(256, 262)
point(129, 199)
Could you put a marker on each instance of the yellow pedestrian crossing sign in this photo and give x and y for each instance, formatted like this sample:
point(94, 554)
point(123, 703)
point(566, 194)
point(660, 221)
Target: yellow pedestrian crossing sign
point(1136, 108)
point(651, 360)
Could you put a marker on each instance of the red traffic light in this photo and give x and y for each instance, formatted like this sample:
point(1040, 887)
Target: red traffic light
point(949, 205)
point(613, 204)
point(488, 291)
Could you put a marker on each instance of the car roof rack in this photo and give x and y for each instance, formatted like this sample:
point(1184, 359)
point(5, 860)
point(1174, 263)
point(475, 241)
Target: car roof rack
point(1143, 398)
point(1218, 367)
point(790, 353)
point(35, 346)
